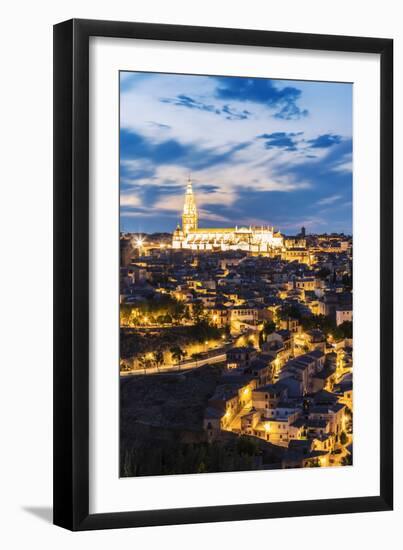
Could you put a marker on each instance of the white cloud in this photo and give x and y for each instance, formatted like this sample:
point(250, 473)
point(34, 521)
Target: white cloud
point(253, 167)
point(129, 200)
point(328, 200)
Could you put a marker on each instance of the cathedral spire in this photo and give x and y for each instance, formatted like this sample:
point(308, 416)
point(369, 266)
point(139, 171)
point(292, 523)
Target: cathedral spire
point(190, 216)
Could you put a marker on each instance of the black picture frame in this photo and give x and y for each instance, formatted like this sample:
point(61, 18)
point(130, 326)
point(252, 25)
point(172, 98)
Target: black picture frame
point(71, 274)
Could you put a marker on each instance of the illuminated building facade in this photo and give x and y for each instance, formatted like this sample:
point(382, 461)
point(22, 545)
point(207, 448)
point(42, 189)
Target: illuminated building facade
point(262, 239)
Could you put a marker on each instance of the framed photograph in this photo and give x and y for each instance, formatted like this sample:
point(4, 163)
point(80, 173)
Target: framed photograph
point(222, 274)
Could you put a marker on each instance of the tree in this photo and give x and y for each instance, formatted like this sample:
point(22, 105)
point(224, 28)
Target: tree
point(178, 311)
point(247, 446)
point(198, 311)
point(142, 362)
point(125, 314)
point(337, 334)
point(166, 319)
point(178, 354)
point(343, 438)
point(347, 281)
point(262, 337)
point(322, 322)
point(268, 328)
point(145, 362)
point(158, 358)
point(289, 311)
point(323, 272)
point(125, 366)
point(346, 329)
point(186, 314)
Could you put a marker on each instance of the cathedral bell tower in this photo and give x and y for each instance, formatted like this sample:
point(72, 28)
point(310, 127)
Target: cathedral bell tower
point(189, 216)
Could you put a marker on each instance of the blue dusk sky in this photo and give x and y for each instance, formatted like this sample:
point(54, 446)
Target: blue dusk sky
point(259, 151)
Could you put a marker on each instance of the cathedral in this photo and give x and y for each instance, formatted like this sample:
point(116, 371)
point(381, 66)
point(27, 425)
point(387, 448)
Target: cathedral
point(261, 239)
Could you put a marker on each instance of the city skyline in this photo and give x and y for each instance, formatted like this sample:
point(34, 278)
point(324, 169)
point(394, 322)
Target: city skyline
point(280, 152)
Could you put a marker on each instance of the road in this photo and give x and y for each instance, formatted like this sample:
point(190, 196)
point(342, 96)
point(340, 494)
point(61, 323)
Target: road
point(221, 355)
point(186, 365)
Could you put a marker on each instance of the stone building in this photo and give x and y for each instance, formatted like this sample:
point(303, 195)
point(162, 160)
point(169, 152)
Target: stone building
point(262, 239)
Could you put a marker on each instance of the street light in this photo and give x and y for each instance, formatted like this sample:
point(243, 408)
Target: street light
point(139, 243)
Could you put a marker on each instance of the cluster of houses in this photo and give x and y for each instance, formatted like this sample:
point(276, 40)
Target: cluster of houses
point(294, 388)
point(299, 406)
point(239, 291)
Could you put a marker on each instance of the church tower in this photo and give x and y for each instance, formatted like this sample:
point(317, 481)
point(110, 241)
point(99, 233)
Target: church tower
point(189, 216)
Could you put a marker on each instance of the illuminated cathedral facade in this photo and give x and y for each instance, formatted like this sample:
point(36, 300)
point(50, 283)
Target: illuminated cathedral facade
point(260, 239)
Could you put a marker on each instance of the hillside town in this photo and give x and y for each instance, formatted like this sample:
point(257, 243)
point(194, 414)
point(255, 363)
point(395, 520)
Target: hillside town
point(239, 348)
